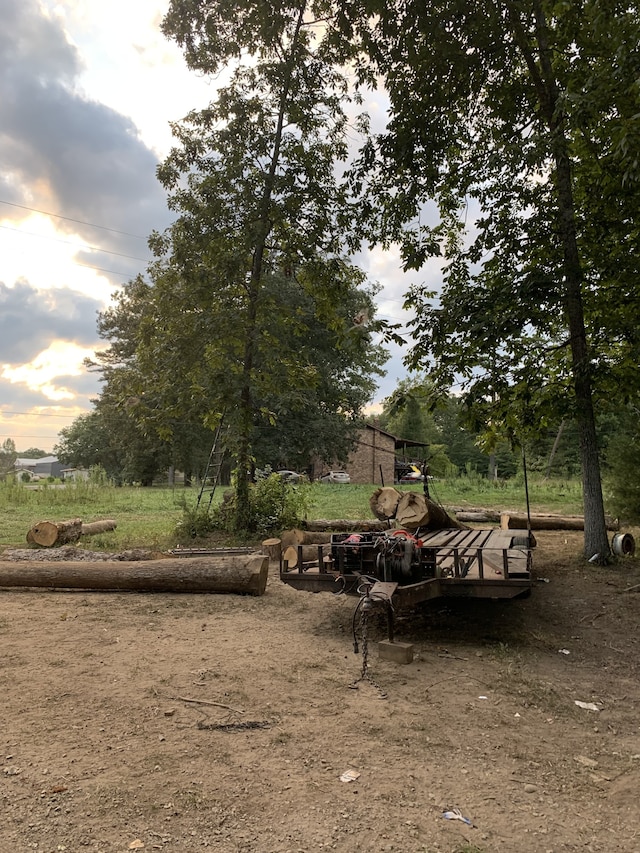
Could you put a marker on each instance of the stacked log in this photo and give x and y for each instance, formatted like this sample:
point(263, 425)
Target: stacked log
point(310, 555)
point(411, 510)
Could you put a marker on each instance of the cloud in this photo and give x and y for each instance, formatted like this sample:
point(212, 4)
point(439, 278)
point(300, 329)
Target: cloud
point(69, 153)
point(31, 320)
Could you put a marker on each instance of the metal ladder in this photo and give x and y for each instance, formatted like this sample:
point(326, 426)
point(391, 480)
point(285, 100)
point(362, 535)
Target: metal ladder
point(214, 465)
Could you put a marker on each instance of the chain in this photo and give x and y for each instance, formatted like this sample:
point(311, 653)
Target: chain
point(365, 675)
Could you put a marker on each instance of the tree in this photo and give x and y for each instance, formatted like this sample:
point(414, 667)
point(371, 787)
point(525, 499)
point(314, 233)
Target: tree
point(261, 214)
point(511, 114)
point(33, 453)
point(8, 456)
point(114, 441)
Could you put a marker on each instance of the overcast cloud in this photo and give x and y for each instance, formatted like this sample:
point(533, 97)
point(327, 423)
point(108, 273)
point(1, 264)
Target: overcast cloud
point(66, 152)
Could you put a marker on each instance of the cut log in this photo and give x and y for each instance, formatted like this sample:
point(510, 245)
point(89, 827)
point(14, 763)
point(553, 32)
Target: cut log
point(416, 510)
point(243, 574)
point(48, 533)
point(92, 528)
point(346, 525)
point(384, 502)
point(291, 537)
point(478, 516)
point(272, 548)
point(510, 521)
point(309, 554)
point(297, 537)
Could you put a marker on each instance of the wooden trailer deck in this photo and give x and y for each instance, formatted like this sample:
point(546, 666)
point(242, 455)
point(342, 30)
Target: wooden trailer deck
point(482, 563)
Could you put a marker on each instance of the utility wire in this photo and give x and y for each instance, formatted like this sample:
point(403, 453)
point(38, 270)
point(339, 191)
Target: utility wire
point(69, 219)
point(71, 243)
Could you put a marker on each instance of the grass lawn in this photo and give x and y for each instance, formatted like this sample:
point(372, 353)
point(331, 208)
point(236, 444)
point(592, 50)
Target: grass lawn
point(147, 517)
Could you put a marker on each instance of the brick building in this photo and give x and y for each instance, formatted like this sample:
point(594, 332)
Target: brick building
point(374, 457)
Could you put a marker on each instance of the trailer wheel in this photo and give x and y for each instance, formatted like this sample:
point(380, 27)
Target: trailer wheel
point(520, 542)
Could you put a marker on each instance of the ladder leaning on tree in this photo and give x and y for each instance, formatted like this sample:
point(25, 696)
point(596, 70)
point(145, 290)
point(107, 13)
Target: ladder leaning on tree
point(211, 476)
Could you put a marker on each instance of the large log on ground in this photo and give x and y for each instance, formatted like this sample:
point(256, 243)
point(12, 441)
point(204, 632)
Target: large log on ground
point(477, 516)
point(417, 510)
point(296, 537)
point(384, 502)
point(517, 521)
point(48, 533)
point(309, 553)
point(245, 574)
point(92, 528)
point(346, 525)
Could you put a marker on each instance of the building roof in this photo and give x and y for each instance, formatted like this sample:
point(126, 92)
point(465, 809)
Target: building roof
point(399, 442)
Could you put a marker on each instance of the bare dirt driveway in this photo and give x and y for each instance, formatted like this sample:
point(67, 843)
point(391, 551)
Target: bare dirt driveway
point(189, 722)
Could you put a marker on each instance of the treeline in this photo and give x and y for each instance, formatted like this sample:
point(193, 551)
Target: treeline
point(458, 446)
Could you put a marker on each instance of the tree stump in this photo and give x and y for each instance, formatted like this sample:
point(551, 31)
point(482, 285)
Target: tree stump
point(273, 548)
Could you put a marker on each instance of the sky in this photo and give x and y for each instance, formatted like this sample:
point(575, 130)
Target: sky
point(87, 92)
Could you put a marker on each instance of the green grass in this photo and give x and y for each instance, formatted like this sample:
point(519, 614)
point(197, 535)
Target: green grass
point(147, 517)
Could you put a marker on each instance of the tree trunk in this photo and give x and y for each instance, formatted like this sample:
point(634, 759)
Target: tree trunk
point(273, 548)
point(310, 554)
point(416, 510)
point(304, 537)
point(345, 525)
point(384, 502)
point(243, 574)
point(554, 449)
point(596, 541)
point(519, 521)
point(103, 526)
point(48, 533)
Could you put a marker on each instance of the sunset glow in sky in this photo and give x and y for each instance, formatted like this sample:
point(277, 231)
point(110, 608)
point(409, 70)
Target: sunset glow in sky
point(87, 91)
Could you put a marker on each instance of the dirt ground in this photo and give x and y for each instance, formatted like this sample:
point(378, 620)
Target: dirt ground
point(188, 722)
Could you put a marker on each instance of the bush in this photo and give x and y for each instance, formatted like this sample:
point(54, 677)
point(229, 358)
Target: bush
point(274, 505)
point(623, 462)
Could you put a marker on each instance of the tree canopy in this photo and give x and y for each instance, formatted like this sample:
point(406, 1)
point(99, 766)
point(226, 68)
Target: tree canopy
point(520, 119)
point(252, 311)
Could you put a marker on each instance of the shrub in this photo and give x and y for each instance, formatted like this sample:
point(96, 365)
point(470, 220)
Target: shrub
point(274, 505)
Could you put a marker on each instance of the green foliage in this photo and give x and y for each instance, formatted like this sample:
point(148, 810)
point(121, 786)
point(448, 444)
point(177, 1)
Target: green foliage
point(250, 311)
point(524, 138)
point(623, 464)
point(149, 517)
point(274, 505)
point(8, 456)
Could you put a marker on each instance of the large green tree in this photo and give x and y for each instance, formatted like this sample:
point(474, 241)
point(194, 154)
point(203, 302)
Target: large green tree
point(254, 313)
point(520, 118)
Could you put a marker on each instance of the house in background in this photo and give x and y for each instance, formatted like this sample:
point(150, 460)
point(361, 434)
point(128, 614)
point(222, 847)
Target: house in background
point(47, 466)
point(75, 475)
point(373, 459)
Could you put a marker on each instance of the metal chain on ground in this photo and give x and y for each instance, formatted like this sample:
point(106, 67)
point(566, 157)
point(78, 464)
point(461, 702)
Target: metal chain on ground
point(365, 675)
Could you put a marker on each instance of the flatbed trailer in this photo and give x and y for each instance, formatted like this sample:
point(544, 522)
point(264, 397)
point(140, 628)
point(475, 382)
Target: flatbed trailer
point(409, 567)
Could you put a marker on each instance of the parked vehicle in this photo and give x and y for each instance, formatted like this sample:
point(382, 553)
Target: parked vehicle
point(336, 477)
point(291, 476)
point(411, 474)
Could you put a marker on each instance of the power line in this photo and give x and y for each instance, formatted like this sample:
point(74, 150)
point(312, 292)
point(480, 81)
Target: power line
point(71, 243)
point(69, 219)
point(36, 414)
